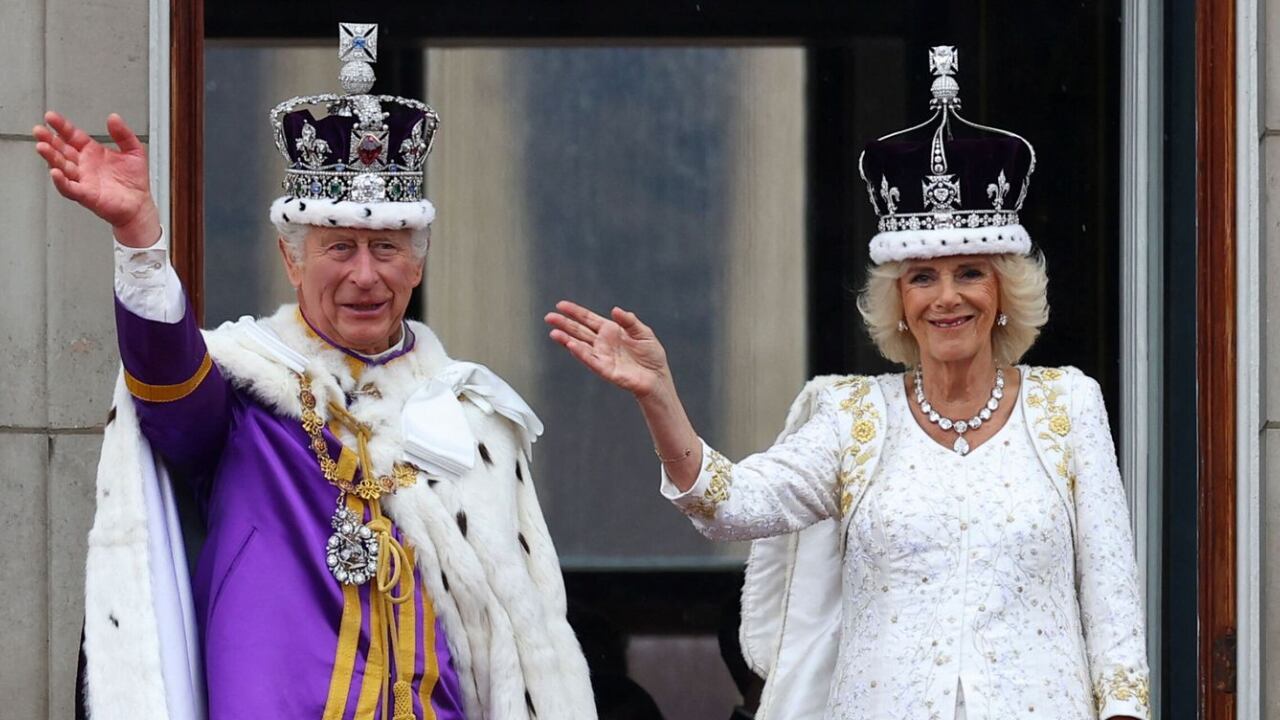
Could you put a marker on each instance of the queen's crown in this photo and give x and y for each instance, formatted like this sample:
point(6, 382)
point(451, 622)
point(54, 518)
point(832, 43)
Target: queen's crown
point(947, 173)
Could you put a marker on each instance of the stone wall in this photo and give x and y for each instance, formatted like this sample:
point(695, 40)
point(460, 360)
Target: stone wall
point(85, 60)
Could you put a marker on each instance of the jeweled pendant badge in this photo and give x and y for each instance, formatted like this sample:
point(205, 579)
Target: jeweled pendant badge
point(351, 553)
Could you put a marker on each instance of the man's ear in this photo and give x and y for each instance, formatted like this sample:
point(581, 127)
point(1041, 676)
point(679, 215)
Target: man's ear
point(292, 267)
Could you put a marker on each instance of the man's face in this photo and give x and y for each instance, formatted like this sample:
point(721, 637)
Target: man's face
point(354, 285)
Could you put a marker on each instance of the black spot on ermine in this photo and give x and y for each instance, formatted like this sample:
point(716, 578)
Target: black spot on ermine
point(111, 415)
point(113, 619)
point(519, 472)
point(528, 700)
point(444, 579)
point(462, 522)
point(523, 543)
point(302, 206)
point(484, 455)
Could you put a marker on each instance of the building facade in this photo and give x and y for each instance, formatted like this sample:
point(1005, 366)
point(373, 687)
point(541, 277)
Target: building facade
point(739, 132)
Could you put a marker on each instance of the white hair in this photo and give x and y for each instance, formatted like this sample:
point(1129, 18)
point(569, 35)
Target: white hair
point(1023, 286)
point(295, 239)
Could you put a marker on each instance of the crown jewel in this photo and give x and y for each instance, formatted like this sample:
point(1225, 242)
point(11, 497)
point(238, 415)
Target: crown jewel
point(941, 187)
point(369, 148)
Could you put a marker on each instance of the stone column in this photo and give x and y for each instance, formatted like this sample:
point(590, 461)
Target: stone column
point(478, 298)
point(764, 334)
point(85, 60)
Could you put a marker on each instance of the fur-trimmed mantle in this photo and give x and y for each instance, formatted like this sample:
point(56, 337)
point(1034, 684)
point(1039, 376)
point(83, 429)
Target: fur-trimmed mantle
point(482, 546)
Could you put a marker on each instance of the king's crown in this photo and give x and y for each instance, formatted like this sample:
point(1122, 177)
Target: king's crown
point(368, 148)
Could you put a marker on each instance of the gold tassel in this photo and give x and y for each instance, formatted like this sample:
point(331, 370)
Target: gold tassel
point(404, 701)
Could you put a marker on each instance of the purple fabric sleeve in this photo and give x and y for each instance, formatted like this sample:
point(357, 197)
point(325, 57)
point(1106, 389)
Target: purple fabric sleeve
point(188, 431)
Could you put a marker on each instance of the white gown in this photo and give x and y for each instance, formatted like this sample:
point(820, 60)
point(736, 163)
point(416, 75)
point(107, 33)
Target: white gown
point(947, 549)
point(960, 574)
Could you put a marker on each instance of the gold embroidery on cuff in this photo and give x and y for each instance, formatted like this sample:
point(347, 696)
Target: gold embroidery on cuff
point(1124, 685)
point(168, 393)
point(717, 489)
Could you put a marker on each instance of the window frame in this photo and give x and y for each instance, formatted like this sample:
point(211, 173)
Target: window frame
point(1152, 376)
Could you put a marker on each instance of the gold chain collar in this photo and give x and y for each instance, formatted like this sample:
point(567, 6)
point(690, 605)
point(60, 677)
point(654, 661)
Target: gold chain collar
point(371, 486)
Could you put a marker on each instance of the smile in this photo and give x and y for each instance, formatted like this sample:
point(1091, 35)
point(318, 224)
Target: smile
point(364, 308)
point(951, 323)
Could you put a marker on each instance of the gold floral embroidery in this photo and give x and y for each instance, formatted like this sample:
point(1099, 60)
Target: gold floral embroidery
point(1123, 685)
point(864, 431)
point(1044, 396)
point(1060, 424)
point(717, 489)
point(866, 418)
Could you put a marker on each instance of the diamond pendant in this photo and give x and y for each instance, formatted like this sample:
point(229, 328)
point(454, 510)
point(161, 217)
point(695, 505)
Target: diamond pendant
point(351, 553)
point(961, 446)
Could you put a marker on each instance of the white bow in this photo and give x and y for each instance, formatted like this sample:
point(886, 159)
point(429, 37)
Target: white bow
point(437, 437)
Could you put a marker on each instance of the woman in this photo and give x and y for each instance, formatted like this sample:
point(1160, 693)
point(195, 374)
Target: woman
point(987, 563)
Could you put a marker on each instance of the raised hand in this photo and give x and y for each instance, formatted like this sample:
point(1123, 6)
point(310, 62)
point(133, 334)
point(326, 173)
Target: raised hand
point(620, 349)
point(624, 351)
point(111, 183)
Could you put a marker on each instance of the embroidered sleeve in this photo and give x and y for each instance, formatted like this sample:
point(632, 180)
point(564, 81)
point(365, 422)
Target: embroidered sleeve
point(785, 488)
point(1107, 573)
point(146, 283)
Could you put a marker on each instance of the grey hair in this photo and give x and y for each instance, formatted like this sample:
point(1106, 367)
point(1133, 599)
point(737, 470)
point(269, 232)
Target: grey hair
point(295, 239)
point(1023, 287)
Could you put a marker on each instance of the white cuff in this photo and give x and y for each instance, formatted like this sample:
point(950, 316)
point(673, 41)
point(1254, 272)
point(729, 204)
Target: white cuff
point(699, 487)
point(146, 284)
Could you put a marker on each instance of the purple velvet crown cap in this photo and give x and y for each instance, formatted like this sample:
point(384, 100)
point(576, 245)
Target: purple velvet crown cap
point(976, 158)
point(947, 186)
point(336, 132)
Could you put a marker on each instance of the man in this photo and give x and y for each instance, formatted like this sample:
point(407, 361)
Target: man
point(375, 546)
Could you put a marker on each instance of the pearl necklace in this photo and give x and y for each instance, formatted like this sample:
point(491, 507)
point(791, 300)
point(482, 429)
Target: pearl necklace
point(961, 427)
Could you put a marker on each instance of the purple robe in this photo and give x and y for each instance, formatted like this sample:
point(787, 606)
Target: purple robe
point(280, 636)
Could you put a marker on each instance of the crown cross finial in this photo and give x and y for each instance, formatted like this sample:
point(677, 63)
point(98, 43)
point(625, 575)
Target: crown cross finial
point(357, 47)
point(358, 41)
point(944, 61)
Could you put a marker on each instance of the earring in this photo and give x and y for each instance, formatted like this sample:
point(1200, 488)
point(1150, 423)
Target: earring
point(1002, 319)
point(902, 326)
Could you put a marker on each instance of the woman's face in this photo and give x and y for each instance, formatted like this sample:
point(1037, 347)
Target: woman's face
point(950, 305)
